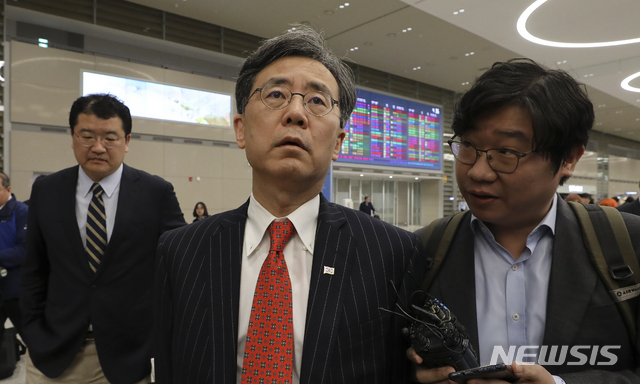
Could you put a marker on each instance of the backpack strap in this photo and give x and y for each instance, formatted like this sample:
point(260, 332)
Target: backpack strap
point(437, 237)
point(613, 257)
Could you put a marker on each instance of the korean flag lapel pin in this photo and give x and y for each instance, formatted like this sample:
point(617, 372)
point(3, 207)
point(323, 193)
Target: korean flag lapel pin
point(329, 270)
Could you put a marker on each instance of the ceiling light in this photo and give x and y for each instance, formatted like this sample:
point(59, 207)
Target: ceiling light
point(342, 6)
point(391, 177)
point(625, 83)
point(391, 34)
point(328, 12)
point(522, 30)
point(417, 178)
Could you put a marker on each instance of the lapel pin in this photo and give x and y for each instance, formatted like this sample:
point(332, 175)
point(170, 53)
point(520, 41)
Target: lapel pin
point(329, 270)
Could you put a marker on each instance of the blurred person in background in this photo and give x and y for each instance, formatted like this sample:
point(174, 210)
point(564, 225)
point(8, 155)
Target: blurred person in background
point(200, 211)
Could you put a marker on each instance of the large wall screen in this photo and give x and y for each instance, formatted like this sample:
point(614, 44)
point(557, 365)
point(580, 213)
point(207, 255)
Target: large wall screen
point(389, 131)
point(162, 101)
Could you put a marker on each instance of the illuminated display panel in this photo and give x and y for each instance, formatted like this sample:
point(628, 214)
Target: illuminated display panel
point(161, 101)
point(389, 131)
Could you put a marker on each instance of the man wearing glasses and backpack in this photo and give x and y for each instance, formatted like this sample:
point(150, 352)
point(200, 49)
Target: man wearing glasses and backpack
point(517, 273)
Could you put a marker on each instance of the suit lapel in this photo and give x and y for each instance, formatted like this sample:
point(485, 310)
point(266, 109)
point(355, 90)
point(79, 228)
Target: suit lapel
point(458, 271)
point(225, 255)
point(334, 248)
point(67, 214)
point(572, 281)
point(127, 205)
point(125, 212)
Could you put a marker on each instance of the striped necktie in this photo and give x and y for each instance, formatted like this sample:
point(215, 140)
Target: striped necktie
point(268, 352)
point(96, 228)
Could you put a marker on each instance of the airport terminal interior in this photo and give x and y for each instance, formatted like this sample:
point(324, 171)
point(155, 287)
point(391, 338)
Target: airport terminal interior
point(174, 62)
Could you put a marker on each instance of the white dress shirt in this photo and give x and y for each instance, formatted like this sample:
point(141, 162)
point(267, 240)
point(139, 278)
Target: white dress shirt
point(298, 253)
point(111, 187)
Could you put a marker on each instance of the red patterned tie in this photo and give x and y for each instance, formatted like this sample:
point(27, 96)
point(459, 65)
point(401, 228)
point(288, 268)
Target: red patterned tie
point(268, 352)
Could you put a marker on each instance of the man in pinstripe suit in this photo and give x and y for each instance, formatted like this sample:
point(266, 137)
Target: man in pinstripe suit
point(343, 264)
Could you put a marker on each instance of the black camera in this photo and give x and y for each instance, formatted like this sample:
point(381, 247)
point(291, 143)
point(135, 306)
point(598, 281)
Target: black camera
point(437, 335)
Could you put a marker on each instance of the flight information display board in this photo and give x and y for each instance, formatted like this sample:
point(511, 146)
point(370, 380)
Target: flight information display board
point(390, 131)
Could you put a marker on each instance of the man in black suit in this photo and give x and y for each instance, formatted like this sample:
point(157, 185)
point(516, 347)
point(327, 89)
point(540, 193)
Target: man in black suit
point(339, 267)
point(631, 207)
point(518, 275)
point(92, 235)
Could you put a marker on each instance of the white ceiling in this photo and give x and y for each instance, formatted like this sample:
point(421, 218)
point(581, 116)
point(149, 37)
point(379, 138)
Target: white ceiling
point(439, 39)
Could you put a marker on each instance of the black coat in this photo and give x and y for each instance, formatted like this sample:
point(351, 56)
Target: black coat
point(61, 295)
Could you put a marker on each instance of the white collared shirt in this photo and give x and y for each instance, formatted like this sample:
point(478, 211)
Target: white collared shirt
point(298, 253)
point(111, 186)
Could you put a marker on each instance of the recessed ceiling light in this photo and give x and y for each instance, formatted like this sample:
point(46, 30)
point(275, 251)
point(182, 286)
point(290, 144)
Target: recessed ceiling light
point(522, 30)
point(328, 12)
point(361, 175)
point(417, 178)
point(391, 177)
point(368, 43)
point(391, 34)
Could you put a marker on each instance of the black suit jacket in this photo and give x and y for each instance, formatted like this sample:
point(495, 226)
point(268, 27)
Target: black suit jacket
point(633, 207)
point(348, 339)
point(61, 295)
point(579, 308)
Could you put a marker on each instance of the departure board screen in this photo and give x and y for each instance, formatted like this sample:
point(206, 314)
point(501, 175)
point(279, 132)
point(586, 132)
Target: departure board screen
point(390, 131)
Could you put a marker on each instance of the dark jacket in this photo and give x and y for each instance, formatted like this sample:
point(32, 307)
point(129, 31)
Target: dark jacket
point(580, 310)
point(348, 338)
point(13, 238)
point(62, 296)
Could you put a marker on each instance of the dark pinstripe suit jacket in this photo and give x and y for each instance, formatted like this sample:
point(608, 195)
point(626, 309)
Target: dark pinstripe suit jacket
point(348, 339)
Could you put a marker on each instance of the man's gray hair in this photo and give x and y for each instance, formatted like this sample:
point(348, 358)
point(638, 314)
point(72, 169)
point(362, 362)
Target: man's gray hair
point(4, 179)
point(300, 41)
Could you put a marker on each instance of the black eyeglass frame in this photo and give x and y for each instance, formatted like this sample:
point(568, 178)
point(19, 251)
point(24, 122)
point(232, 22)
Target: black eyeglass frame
point(519, 155)
point(304, 103)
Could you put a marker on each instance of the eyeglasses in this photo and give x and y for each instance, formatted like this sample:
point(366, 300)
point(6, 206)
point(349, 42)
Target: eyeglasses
point(89, 140)
point(500, 160)
point(275, 96)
